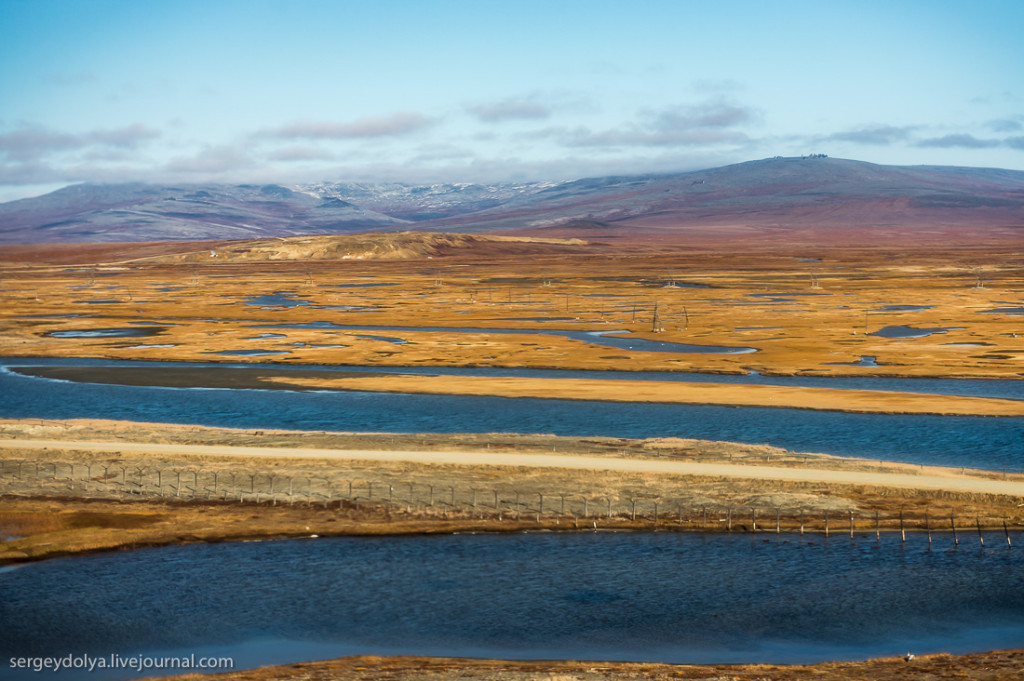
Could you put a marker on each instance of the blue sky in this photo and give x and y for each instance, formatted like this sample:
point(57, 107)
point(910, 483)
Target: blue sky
point(422, 91)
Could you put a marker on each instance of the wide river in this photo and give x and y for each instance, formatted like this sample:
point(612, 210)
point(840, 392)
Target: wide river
point(995, 443)
point(605, 596)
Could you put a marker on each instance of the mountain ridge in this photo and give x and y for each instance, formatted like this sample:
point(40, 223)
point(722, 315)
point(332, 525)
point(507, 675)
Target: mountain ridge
point(794, 192)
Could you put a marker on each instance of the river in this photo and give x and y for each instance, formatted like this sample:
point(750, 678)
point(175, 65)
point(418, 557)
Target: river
point(995, 443)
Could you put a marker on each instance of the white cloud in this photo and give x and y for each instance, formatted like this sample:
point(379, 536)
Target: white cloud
point(397, 124)
point(509, 109)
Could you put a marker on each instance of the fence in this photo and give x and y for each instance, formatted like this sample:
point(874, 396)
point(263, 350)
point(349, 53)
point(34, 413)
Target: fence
point(188, 484)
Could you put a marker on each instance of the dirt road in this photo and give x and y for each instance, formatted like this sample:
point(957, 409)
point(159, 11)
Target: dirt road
point(929, 481)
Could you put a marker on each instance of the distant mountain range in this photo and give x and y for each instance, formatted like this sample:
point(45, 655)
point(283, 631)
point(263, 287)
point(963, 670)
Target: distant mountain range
point(778, 193)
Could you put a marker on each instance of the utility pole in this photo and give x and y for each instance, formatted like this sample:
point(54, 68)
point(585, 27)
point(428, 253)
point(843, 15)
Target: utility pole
point(656, 326)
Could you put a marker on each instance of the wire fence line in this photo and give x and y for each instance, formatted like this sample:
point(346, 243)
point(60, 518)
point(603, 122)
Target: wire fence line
point(104, 480)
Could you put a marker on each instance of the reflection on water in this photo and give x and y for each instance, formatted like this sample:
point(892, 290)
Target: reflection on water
point(607, 596)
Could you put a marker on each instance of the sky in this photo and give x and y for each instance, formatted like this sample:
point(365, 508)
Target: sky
point(425, 91)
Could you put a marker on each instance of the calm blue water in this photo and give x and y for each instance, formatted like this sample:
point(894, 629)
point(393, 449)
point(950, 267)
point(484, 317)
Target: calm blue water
point(993, 443)
point(648, 597)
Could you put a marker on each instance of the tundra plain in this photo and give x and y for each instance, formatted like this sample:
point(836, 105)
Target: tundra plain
point(878, 305)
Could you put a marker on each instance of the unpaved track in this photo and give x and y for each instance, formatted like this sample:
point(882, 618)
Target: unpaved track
point(948, 483)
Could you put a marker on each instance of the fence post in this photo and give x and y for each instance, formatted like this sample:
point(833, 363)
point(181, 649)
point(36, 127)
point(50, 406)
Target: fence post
point(981, 539)
point(928, 528)
point(851, 525)
point(952, 522)
point(1007, 533)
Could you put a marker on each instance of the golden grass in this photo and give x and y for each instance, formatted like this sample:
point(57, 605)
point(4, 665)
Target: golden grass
point(604, 289)
point(22, 523)
point(869, 401)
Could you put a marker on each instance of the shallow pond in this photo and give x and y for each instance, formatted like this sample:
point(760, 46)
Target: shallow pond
point(906, 332)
